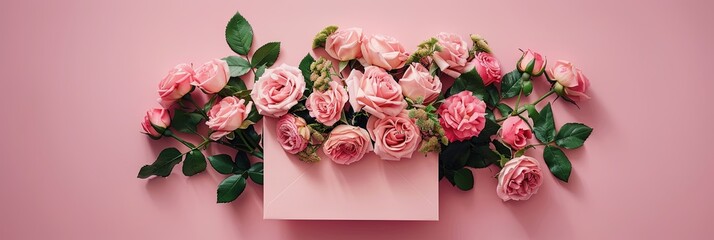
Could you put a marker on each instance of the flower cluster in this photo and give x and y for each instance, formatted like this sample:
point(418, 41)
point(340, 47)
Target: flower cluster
point(367, 94)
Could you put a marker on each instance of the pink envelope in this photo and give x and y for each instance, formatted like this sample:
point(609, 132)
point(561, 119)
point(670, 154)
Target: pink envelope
point(371, 189)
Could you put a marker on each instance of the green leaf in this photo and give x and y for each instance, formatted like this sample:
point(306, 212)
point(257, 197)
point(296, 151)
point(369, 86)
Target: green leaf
point(470, 81)
point(239, 34)
point(544, 126)
point(266, 54)
point(504, 109)
point(511, 84)
point(532, 112)
point(481, 157)
point(194, 163)
point(259, 72)
point(502, 148)
point(185, 122)
point(489, 130)
point(305, 69)
point(242, 161)
point(557, 162)
point(222, 163)
point(455, 155)
point(489, 115)
point(342, 65)
point(238, 66)
point(230, 188)
point(493, 97)
point(464, 179)
point(256, 173)
point(572, 135)
point(165, 162)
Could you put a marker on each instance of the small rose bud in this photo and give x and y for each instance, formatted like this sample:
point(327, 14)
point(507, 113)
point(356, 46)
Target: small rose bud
point(531, 63)
point(527, 87)
point(480, 44)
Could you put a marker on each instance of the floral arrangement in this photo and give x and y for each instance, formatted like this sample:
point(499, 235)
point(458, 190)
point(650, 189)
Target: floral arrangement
point(368, 94)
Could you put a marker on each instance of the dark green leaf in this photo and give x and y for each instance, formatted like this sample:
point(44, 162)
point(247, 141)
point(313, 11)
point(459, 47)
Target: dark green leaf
point(230, 188)
point(502, 148)
point(489, 130)
point(239, 34)
point(455, 155)
point(557, 162)
point(464, 179)
point(165, 162)
point(222, 163)
point(305, 69)
point(572, 135)
point(238, 66)
point(256, 173)
point(482, 156)
point(185, 122)
point(544, 126)
point(266, 54)
point(242, 162)
point(489, 115)
point(492, 96)
point(511, 84)
point(532, 112)
point(194, 163)
point(504, 109)
point(470, 81)
point(259, 72)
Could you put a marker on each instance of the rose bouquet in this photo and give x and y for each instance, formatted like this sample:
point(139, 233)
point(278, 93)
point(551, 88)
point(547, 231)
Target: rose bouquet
point(365, 94)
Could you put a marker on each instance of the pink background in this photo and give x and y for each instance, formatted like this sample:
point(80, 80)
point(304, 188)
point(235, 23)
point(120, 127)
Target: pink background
point(79, 75)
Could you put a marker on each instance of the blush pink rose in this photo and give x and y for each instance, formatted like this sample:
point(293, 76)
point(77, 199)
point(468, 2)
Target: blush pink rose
point(293, 133)
point(158, 117)
point(326, 107)
point(347, 144)
point(572, 81)
point(175, 85)
point(454, 54)
point(345, 44)
point(519, 179)
point(417, 83)
point(375, 91)
point(383, 51)
point(531, 57)
point(488, 68)
point(515, 132)
point(462, 116)
point(278, 90)
point(227, 115)
point(212, 76)
point(394, 137)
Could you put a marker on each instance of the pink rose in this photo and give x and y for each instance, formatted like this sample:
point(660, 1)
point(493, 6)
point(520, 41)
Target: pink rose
point(519, 179)
point(176, 84)
point(571, 82)
point(227, 115)
point(345, 44)
point(383, 51)
point(375, 91)
point(462, 116)
point(278, 90)
point(293, 133)
point(515, 132)
point(452, 59)
point(212, 76)
point(326, 107)
point(488, 68)
point(532, 63)
point(347, 144)
point(394, 137)
point(158, 117)
point(417, 83)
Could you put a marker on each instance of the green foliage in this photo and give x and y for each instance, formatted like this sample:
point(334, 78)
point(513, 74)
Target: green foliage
point(239, 34)
point(230, 188)
point(511, 84)
point(222, 163)
point(185, 122)
point(544, 126)
point(557, 162)
point(194, 163)
point(165, 162)
point(238, 66)
point(266, 55)
point(464, 179)
point(572, 135)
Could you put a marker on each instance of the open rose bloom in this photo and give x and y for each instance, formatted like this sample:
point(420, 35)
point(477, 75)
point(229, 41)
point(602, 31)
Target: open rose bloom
point(519, 179)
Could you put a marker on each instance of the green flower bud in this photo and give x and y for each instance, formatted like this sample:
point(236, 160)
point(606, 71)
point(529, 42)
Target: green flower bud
point(480, 44)
point(559, 89)
point(321, 37)
point(527, 87)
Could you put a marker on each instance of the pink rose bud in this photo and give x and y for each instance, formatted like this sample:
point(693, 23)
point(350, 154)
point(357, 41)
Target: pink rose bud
point(383, 51)
point(488, 68)
point(155, 122)
point(519, 179)
point(212, 76)
point(418, 83)
point(227, 115)
point(462, 116)
point(175, 85)
point(326, 107)
point(345, 44)
point(452, 59)
point(570, 81)
point(278, 90)
point(293, 133)
point(515, 132)
point(532, 63)
point(347, 144)
point(394, 137)
point(375, 91)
